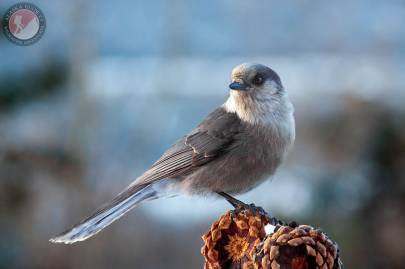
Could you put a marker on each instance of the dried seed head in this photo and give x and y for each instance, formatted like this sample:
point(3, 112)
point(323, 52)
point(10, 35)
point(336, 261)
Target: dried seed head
point(231, 241)
point(302, 247)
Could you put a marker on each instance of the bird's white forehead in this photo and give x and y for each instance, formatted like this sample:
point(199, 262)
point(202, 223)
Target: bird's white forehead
point(241, 69)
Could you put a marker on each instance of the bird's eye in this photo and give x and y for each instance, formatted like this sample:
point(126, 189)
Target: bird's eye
point(257, 80)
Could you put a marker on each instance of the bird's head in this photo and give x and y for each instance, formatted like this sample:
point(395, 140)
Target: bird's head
point(254, 79)
point(256, 93)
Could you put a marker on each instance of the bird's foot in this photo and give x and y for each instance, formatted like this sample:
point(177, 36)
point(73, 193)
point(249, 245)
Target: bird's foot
point(251, 207)
point(241, 206)
point(258, 210)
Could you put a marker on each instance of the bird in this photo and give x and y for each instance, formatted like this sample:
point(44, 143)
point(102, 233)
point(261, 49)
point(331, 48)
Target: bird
point(235, 148)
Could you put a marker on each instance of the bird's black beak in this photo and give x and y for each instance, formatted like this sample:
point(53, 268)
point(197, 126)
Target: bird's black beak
point(238, 86)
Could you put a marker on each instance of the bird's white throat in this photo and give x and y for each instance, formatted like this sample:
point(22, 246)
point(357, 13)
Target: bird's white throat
point(276, 113)
point(259, 109)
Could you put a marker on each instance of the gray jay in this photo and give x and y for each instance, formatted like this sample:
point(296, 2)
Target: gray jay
point(234, 149)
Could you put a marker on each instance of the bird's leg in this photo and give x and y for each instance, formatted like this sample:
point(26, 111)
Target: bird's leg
point(240, 206)
point(237, 204)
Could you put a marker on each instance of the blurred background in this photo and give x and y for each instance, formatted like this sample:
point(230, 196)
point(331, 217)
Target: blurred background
point(112, 84)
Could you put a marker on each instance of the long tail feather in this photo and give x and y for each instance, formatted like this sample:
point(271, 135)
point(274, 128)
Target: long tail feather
point(107, 214)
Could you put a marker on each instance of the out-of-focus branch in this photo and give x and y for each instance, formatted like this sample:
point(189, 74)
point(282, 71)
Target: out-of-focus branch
point(239, 239)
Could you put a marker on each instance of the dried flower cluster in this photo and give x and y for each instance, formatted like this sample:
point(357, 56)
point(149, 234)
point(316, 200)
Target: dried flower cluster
point(301, 247)
point(231, 241)
point(238, 240)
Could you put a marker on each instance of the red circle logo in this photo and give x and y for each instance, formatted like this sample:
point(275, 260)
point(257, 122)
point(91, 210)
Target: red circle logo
point(23, 24)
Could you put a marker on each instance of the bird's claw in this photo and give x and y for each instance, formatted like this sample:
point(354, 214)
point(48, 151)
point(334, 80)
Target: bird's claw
point(251, 207)
point(256, 210)
point(241, 206)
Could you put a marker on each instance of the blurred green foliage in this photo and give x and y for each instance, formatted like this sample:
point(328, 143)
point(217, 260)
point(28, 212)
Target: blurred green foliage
point(32, 83)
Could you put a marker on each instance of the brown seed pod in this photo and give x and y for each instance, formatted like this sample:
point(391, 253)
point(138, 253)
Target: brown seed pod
point(231, 241)
point(302, 247)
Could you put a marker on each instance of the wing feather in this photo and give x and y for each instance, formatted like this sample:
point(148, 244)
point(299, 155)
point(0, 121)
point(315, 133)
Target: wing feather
point(210, 139)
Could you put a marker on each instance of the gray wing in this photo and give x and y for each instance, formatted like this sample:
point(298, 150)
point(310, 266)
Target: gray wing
point(212, 138)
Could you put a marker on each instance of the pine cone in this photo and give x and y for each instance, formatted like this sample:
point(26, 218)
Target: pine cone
point(302, 247)
point(231, 241)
